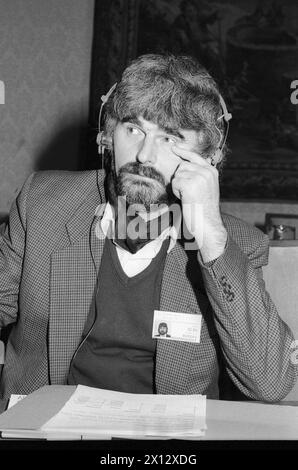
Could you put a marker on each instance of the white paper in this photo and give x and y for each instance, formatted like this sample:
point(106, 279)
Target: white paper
point(14, 399)
point(92, 411)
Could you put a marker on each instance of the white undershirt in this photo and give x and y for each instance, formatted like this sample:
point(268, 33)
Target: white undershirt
point(133, 264)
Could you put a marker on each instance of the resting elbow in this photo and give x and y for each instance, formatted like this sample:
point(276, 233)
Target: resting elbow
point(277, 389)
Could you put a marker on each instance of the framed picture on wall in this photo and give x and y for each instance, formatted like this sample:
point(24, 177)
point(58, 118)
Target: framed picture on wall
point(251, 49)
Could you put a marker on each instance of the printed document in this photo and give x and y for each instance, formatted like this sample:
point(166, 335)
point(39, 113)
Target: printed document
point(96, 413)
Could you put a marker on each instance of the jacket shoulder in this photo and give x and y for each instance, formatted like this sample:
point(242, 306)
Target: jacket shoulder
point(53, 182)
point(63, 188)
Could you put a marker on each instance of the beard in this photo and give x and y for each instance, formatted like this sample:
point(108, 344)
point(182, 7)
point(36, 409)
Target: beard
point(141, 185)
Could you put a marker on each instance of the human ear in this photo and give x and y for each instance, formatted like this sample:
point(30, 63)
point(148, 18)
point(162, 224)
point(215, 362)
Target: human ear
point(216, 158)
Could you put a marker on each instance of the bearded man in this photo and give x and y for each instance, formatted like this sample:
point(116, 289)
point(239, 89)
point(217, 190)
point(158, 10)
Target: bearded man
point(91, 262)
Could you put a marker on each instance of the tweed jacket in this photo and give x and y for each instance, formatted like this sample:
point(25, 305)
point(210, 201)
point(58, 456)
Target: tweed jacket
point(49, 260)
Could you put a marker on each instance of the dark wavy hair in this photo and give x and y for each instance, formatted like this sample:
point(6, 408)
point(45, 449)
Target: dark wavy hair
point(171, 91)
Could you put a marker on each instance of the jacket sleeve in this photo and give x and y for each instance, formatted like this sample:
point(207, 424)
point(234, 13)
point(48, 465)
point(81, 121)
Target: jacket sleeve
point(12, 243)
point(255, 342)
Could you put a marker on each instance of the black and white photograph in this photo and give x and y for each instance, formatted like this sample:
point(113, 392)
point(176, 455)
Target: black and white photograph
point(148, 229)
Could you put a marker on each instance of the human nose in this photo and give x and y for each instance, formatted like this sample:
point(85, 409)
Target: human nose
point(147, 153)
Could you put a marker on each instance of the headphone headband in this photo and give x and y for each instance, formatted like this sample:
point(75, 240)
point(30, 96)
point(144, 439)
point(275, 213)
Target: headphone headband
point(226, 115)
point(104, 98)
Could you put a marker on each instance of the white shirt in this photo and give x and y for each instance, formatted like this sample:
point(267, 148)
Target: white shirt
point(133, 264)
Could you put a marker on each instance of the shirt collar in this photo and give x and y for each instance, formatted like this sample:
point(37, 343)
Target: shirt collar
point(107, 225)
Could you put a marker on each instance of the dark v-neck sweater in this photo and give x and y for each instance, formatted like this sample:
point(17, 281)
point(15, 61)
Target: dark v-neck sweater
point(118, 353)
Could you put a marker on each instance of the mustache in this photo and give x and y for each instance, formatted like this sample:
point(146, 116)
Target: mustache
point(136, 168)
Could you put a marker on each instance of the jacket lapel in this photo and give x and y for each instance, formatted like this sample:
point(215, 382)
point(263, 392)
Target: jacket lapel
point(173, 358)
point(73, 277)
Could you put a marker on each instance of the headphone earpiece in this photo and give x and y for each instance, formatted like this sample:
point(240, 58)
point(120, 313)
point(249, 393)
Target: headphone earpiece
point(215, 159)
point(103, 142)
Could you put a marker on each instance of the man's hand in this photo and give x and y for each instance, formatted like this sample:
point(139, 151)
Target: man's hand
point(195, 183)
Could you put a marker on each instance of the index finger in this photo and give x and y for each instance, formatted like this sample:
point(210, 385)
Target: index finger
point(190, 155)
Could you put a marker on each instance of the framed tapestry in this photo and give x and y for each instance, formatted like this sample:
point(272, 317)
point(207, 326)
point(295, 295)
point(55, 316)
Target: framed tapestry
point(251, 48)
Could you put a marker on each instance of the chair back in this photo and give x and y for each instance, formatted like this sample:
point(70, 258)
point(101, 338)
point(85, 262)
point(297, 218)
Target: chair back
point(281, 277)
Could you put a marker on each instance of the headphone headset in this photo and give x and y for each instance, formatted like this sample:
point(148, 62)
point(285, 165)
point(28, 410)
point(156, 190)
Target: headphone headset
point(105, 143)
point(102, 141)
point(227, 117)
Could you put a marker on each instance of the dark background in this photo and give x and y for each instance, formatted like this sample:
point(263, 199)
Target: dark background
point(251, 48)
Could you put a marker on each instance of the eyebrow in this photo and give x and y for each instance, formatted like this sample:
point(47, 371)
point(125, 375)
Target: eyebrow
point(168, 130)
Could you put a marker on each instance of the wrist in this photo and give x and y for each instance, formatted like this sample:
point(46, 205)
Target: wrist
point(214, 244)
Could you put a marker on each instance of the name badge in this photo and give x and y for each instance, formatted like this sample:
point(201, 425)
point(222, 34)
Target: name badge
point(177, 326)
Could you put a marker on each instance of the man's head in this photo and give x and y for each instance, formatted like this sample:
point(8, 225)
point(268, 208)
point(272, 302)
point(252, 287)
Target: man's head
point(160, 100)
point(162, 328)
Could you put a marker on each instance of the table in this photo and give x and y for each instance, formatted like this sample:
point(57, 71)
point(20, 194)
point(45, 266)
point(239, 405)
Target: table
point(226, 420)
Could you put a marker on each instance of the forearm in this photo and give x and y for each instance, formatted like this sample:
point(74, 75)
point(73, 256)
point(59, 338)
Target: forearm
point(255, 342)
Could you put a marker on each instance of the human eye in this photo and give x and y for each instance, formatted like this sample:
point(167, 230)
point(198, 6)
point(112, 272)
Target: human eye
point(170, 139)
point(133, 130)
